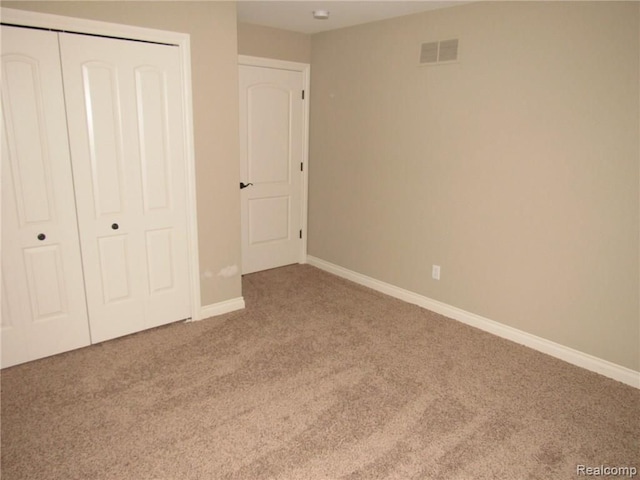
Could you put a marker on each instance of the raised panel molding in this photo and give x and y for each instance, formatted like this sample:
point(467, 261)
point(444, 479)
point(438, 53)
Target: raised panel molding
point(267, 137)
point(46, 282)
point(7, 313)
point(151, 98)
point(269, 219)
point(160, 260)
point(26, 122)
point(104, 128)
point(114, 268)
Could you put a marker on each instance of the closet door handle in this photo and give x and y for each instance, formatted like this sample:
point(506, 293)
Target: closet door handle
point(245, 185)
point(115, 226)
point(41, 236)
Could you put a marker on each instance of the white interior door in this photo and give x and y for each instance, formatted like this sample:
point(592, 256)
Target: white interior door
point(43, 298)
point(271, 156)
point(125, 114)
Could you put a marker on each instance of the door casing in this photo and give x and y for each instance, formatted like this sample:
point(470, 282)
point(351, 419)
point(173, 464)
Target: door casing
point(305, 69)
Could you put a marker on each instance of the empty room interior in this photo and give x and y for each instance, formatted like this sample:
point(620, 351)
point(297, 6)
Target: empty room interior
point(431, 268)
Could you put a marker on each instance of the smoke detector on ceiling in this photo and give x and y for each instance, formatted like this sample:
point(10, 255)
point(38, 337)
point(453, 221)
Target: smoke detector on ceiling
point(321, 14)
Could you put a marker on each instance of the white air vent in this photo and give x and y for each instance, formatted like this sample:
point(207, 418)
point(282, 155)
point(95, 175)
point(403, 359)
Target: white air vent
point(444, 51)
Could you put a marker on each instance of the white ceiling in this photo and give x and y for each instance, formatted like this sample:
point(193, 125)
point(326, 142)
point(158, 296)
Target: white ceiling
point(297, 15)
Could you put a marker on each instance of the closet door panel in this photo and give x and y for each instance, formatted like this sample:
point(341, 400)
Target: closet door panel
point(44, 309)
point(13, 337)
point(100, 84)
point(153, 131)
point(133, 90)
point(45, 278)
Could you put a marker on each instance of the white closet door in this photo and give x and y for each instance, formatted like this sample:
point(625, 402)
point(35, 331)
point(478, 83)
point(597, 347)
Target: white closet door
point(43, 300)
point(125, 114)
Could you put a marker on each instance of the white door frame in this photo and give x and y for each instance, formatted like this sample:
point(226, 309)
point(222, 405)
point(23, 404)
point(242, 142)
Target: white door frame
point(182, 40)
point(305, 69)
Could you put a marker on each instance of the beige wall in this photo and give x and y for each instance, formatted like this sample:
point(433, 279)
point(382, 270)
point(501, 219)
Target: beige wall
point(516, 170)
point(259, 41)
point(212, 26)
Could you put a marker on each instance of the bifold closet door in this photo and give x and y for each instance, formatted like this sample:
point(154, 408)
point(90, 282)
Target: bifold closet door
point(43, 297)
point(125, 116)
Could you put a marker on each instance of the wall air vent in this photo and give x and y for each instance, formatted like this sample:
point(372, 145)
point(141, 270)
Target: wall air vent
point(429, 53)
point(433, 53)
point(448, 51)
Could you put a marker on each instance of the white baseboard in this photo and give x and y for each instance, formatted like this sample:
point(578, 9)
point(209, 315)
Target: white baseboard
point(575, 357)
point(221, 307)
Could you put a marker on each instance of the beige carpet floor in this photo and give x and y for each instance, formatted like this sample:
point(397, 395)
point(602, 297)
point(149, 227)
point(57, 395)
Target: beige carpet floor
point(317, 378)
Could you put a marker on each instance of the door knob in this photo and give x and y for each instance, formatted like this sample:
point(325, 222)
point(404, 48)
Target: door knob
point(245, 185)
point(41, 236)
point(115, 226)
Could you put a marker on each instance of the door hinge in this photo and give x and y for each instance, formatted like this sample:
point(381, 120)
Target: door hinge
point(303, 94)
point(300, 233)
point(301, 167)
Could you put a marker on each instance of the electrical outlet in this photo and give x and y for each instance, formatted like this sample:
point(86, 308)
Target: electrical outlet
point(435, 272)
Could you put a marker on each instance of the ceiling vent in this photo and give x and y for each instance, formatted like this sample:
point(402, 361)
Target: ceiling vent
point(433, 53)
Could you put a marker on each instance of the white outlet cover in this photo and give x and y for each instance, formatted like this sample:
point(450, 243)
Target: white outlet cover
point(435, 272)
